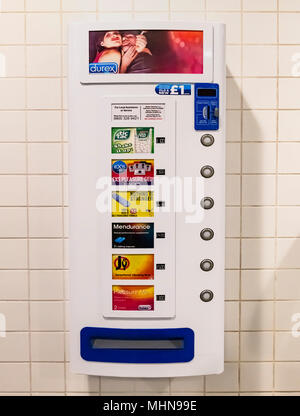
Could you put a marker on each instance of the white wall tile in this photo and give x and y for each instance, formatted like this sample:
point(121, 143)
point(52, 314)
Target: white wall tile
point(149, 16)
point(259, 158)
point(47, 346)
point(257, 284)
point(227, 381)
point(44, 190)
point(256, 346)
point(289, 57)
point(15, 347)
point(262, 5)
point(284, 312)
point(12, 27)
point(287, 376)
point(233, 125)
point(233, 60)
point(187, 384)
point(12, 190)
point(16, 315)
point(232, 221)
point(232, 253)
point(12, 158)
point(44, 158)
point(44, 126)
point(45, 5)
point(289, 5)
point(259, 61)
point(14, 377)
point(258, 253)
point(45, 222)
point(257, 316)
point(13, 254)
point(259, 125)
point(12, 94)
point(288, 221)
point(258, 222)
point(233, 97)
point(13, 285)
point(287, 128)
point(260, 28)
point(286, 347)
point(232, 284)
point(47, 377)
point(43, 61)
point(289, 31)
point(258, 189)
point(117, 5)
point(46, 284)
point(13, 222)
point(259, 93)
point(12, 5)
point(47, 316)
point(43, 28)
point(182, 16)
point(10, 53)
point(229, 5)
point(154, 5)
point(12, 126)
point(190, 5)
point(80, 382)
point(231, 340)
point(287, 284)
point(117, 385)
point(233, 189)
point(288, 253)
point(256, 376)
point(79, 5)
point(231, 316)
point(44, 94)
point(233, 158)
point(46, 254)
point(289, 90)
point(288, 190)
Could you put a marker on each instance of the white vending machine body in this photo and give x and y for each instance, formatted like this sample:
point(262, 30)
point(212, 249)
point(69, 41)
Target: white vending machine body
point(146, 196)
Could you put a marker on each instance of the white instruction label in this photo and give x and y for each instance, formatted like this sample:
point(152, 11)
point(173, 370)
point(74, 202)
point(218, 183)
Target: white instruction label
point(137, 112)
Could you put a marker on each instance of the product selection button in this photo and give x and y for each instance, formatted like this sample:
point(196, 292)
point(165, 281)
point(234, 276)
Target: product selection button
point(161, 266)
point(160, 235)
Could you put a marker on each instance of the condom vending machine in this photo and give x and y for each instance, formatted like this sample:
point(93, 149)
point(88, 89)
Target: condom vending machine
point(147, 145)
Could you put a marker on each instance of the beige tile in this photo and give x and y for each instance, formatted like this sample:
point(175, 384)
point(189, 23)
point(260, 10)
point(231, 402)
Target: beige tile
point(259, 125)
point(260, 28)
point(262, 5)
point(47, 316)
point(188, 5)
point(289, 31)
point(12, 126)
point(284, 312)
point(79, 5)
point(187, 384)
point(16, 315)
point(258, 222)
point(258, 253)
point(259, 93)
point(14, 377)
point(44, 190)
point(43, 28)
point(15, 347)
point(256, 346)
point(231, 346)
point(9, 53)
point(45, 5)
point(151, 16)
point(287, 376)
point(256, 316)
point(233, 24)
point(46, 254)
point(256, 376)
point(287, 284)
point(288, 162)
point(231, 316)
point(258, 189)
point(232, 253)
point(267, 58)
point(233, 96)
point(13, 285)
point(179, 16)
point(12, 190)
point(289, 90)
point(81, 383)
point(257, 284)
point(233, 189)
point(47, 377)
point(232, 284)
point(287, 128)
point(46, 284)
point(12, 27)
point(227, 381)
point(288, 253)
point(44, 94)
point(152, 385)
point(43, 61)
point(289, 60)
point(289, 5)
point(232, 221)
point(259, 158)
point(233, 125)
point(233, 60)
point(233, 158)
point(13, 254)
point(47, 346)
point(44, 126)
point(12, 5)
point(45, 222)
point(229, 5)
point(12, 158)
point(12, 93)
point(154, 5)
point(117, 385)
point(288, 190)
point(286, 347)
point(288, 221)
point(13, 222)
point(44, 158)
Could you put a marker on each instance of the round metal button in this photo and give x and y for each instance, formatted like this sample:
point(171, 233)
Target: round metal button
point(207, 234)
point(207, 171)
point(207, 140)
point(207, 203)
point(207, 265)
point(206, 295)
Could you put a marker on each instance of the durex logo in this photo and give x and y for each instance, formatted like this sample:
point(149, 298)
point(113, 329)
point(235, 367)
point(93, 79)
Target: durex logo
point(104, 68)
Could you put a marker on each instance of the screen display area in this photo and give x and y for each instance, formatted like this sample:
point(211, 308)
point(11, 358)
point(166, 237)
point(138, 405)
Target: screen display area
point(146, 52)
point(206, 92)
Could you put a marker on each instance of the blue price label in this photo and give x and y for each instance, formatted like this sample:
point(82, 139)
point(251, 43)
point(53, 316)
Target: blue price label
point(173, 89)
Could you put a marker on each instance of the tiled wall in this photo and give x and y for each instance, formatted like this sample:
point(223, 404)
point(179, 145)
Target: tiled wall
point(263, 195)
